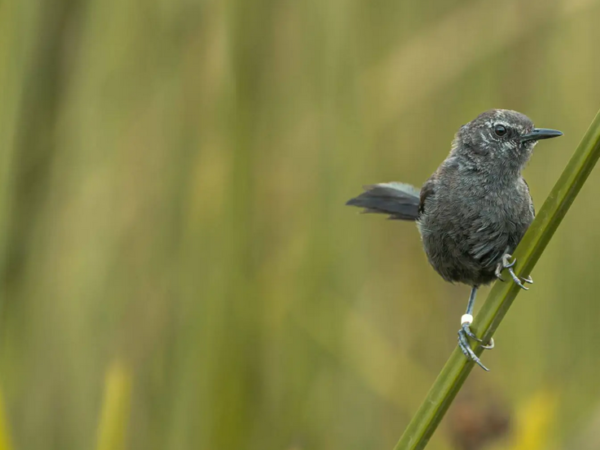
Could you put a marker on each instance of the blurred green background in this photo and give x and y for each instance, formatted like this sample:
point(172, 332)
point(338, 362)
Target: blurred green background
point(180, 271)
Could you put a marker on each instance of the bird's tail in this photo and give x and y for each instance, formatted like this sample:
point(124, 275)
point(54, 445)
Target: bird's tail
point(399, 200)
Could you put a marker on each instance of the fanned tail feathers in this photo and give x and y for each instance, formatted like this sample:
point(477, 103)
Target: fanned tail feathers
point(399, 200)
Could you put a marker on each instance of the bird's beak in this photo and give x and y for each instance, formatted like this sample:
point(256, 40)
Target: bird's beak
point(540, 133)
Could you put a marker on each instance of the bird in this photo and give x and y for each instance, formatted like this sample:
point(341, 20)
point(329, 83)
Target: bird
point(475, 208)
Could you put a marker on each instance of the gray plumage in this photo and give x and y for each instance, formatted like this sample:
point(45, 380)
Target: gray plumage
point(476, 207)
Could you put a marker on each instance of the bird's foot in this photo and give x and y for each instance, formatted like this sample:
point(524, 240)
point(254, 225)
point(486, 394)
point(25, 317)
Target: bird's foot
point(463, 341)
point(506, 263)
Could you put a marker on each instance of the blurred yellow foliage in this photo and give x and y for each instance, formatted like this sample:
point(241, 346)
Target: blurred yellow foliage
point(536, 421)
point(5, 440)
point(114, 416)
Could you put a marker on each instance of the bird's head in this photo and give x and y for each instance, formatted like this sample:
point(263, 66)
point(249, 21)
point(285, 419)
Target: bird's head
point(499, 138)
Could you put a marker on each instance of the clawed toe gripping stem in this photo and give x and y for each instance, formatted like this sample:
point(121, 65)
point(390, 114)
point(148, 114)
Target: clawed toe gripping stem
point(506, 263)
point(463, 342)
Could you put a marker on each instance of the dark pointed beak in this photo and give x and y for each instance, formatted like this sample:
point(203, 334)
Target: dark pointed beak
point(540, 133)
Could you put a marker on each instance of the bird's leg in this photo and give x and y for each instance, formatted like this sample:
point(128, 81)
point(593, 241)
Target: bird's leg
point(465, 333)
point(506, 263)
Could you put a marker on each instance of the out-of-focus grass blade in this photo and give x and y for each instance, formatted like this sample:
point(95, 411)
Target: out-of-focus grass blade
point(456, 370)
point(5, 441)
point(115, 408)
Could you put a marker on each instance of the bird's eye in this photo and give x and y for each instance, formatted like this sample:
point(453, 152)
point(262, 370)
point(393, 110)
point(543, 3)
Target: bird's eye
point(500, 130)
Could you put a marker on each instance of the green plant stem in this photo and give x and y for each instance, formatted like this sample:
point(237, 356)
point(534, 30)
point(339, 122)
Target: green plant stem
point(456, 370)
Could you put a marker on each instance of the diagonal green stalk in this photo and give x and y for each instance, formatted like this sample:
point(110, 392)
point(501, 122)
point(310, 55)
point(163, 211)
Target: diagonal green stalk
point(456, 370)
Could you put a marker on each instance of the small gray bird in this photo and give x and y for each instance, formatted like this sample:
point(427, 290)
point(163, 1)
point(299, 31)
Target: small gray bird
point(474, 209)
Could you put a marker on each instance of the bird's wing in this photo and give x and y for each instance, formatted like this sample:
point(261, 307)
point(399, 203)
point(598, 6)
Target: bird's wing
point(427, 189)
point(531, 207)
